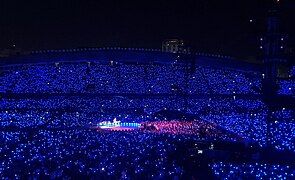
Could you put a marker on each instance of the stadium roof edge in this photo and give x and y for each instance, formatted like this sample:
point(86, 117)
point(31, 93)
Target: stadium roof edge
point(118, 54)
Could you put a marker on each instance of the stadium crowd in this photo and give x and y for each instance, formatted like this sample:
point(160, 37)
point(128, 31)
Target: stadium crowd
point(287, 87)
point(247, 118)
point(199, 129)
point(153, 79)
point(46, 115)
point(78, 153)
point(223, 170)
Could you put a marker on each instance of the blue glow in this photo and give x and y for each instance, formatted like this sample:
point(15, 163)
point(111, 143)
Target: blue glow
point(64, 100)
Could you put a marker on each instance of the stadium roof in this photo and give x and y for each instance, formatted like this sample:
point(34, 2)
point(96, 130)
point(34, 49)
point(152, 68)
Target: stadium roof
point(127, 55)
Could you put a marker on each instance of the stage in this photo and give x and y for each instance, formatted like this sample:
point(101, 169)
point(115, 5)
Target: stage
point(118, 126)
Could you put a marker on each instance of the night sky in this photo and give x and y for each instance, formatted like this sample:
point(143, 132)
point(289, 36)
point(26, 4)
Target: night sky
point(218, 26)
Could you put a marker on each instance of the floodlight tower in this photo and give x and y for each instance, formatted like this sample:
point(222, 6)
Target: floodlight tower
point(272, 45)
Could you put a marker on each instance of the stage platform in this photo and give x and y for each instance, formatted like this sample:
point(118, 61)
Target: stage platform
point(118, 126)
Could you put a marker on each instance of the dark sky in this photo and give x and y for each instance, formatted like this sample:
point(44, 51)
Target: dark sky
point(208, 25)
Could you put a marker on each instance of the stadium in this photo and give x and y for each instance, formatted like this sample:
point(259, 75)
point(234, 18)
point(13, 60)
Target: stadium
point(175, 115)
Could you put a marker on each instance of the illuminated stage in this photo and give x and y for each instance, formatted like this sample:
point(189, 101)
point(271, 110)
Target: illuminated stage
point(118, 126)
